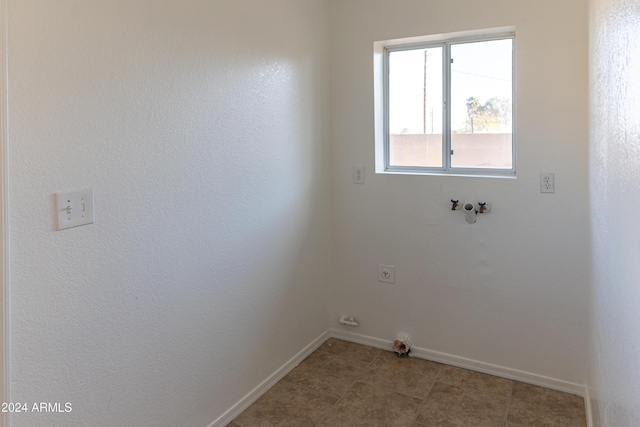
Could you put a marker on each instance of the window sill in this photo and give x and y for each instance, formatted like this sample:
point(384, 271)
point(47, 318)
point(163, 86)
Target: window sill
point(470, 174)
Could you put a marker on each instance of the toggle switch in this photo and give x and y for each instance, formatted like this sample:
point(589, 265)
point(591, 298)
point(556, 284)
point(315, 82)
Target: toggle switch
point(74, 208)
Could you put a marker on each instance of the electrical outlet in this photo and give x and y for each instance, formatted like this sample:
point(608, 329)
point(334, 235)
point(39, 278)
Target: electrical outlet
point(386, 273)
point(358, 174)
point(547, 183)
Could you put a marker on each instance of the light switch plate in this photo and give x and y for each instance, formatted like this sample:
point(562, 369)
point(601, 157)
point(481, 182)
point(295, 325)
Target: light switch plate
point(74, 208)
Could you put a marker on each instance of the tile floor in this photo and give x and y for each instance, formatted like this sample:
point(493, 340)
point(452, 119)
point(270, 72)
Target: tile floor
point(347, 384)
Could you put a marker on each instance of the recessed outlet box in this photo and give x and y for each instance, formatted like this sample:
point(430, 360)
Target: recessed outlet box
point(387, 273)
point(74, 208)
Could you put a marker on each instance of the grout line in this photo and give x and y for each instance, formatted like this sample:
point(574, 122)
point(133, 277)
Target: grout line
point(424, 401)
point(331, 409)
point(364, 369)
point(361, 378)
point(513, 385)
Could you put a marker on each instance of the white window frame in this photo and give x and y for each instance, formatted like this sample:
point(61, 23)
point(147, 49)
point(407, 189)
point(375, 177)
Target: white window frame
point(381, 102)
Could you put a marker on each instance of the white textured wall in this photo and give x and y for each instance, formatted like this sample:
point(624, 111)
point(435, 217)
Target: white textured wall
point(202, 126)
point(614, 381)
point(512, 289)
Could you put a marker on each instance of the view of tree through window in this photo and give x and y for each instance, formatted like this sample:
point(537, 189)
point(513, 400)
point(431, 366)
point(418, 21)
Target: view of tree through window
point(481, 104)
point(450, 105)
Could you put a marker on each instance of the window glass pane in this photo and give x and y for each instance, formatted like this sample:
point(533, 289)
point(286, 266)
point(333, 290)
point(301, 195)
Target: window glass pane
point(415, 107)
point(481, 104)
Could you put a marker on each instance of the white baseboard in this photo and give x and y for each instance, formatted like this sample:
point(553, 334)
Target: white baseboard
point(265, 385)
point(462, 362)
point(587, 407)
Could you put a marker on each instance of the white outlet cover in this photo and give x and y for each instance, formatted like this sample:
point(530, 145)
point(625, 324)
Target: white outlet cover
point(547, 183)
point(358, 174)
point(74, 208)
point(387, 273)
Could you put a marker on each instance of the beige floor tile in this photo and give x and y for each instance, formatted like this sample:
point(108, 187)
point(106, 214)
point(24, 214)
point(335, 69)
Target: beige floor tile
point(326, 373)
point(286, 405)
point(345, 348)
point(346, 384)
point(538, 406)
point(467, 379)
point(366, 405)
point(451, 406)
point(406, 375)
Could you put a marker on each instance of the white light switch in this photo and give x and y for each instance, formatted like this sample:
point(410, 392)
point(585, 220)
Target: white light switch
point(74, 208)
